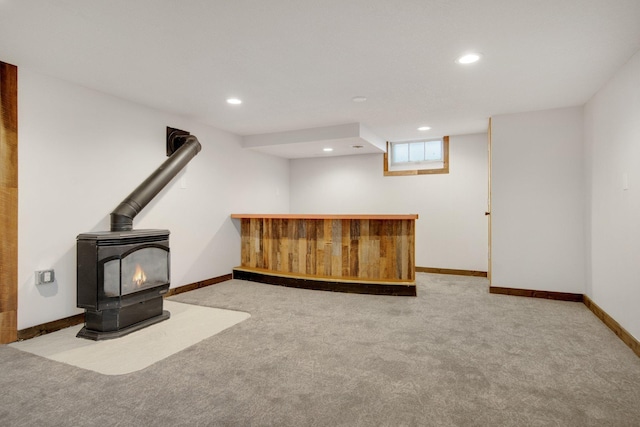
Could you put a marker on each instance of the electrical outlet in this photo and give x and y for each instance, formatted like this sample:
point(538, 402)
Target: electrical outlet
point(45, 276)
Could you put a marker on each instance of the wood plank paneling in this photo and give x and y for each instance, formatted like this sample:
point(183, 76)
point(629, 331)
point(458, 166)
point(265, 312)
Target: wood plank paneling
point(8, 203)
point(354, 248)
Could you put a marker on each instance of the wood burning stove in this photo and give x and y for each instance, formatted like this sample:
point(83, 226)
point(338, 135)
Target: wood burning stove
point(123, 276)
point(123, 273)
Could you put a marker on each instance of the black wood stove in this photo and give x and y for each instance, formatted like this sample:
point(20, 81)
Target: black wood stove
point(124, 273)
point(122, 277)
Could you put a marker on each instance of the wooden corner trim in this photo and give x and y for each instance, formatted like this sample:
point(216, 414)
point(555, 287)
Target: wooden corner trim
point(617, 329)
point(451, 271)
point(559, 296)
point(198, 285)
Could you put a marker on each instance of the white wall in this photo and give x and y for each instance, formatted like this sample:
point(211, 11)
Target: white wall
point(612, 136)
point(537, 201)
point(452, 229)
point(81, 152)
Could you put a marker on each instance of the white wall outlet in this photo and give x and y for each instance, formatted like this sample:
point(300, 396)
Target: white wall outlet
point(45, 276)
point(625, 181)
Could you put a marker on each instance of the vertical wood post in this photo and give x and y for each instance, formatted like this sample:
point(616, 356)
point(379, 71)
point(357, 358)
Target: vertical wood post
point(8, 203)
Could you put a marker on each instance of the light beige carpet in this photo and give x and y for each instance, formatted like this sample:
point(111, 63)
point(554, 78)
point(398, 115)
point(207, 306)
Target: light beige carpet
point(188, 325)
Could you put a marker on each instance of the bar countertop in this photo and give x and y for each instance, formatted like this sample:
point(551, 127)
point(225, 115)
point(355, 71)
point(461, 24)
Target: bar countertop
point(325, 216)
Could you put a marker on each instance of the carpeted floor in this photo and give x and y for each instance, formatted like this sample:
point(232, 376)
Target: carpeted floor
point(454, 356)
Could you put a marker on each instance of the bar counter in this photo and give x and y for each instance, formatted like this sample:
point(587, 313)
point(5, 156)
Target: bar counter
point(346, 253)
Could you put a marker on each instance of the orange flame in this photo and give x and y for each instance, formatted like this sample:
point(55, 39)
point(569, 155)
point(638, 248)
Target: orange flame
point(139, 277)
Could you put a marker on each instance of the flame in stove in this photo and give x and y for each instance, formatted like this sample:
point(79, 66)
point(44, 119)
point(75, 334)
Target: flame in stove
point(139, 277)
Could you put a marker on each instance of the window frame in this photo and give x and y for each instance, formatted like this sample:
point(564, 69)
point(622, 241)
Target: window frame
point(427, 171)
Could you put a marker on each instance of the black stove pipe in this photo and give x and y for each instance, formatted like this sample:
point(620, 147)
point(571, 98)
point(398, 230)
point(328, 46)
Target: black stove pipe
point(122, 216)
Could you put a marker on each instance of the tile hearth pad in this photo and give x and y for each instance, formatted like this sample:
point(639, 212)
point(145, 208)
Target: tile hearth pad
point(188, 325)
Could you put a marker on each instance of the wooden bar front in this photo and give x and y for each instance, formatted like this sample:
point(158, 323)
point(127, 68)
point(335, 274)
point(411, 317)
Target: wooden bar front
point(351, 253)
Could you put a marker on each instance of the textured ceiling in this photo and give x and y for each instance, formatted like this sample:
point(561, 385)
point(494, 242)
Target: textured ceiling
point(297, 64)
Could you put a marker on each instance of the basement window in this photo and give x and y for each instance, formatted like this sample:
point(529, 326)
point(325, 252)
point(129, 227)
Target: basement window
point(421, 157)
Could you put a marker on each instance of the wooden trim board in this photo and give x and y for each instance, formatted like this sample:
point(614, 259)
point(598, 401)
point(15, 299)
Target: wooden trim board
point(622, 333)
point(488, 211)
point(8, 203)
point(451, 271)
point(198, 285)
point(323, 216)
point(617, 329)
point(45, 328)
point(326, 283)
point(560, 296)
point(67, 322)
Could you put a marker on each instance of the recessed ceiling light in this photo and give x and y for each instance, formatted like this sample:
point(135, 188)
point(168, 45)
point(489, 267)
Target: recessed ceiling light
point(359, 98)
point(468, 58)
point(423, 128)
point(234, 101)
point(327, 149)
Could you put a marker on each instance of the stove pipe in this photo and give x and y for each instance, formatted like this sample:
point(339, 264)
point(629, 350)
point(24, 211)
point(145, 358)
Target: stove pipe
point(122, 216)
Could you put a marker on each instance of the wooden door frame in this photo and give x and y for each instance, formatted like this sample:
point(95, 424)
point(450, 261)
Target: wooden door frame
point(8, 203)
point(488, 212)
